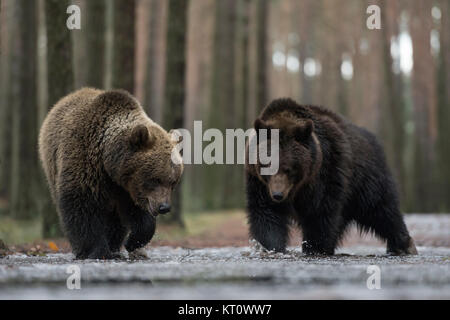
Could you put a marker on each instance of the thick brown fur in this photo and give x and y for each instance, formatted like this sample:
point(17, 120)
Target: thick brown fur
point(331, 174)
point(109, 170)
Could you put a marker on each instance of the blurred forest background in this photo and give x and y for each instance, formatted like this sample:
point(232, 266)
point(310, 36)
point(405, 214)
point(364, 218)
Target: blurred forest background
point(221, 62)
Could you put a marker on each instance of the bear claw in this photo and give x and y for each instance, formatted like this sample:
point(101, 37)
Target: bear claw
point(138, 254)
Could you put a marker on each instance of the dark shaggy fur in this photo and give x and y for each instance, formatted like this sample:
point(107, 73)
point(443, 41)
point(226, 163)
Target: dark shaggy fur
point(109, 170)
point(331, 173)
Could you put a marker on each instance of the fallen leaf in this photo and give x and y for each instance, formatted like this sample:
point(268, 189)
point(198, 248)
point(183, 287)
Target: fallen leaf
point(53, 246)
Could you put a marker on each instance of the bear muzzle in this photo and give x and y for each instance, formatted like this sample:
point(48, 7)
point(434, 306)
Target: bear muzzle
point(277, 196)
point(279, 187)
point(164, 208)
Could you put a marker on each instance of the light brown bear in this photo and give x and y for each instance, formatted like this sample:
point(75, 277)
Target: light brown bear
point(109, 170)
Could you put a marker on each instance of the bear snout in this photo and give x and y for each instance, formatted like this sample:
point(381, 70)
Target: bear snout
point(164, 208)
point(277, 196)
point(279, 187)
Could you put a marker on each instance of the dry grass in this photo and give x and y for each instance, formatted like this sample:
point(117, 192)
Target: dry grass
point(16, 231)
point(196, 224)
point(199, 227)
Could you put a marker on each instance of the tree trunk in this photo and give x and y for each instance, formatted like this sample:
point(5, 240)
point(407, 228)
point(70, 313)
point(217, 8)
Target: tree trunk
point(239, 108)
point(59, 51)
point(393, 112)
point(424, 98)
point(175, 83)
point(60, 83)
point(24, 171)
point(221, 113)
point(246, 113)
point(123, 45)
point(95, 43)
point(257, 59)
point(7, 33)
point(308, 39)
point(198, 87)
point(443, 182)
point(156, 60)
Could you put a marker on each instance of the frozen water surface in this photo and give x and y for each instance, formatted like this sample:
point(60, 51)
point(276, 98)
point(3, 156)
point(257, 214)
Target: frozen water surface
point(240, 273)
point(231, 273)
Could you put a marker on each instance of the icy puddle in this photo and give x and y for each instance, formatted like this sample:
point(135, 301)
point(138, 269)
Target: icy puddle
point(232, 273)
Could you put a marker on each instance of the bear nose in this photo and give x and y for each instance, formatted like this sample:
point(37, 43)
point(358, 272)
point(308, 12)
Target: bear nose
point(278, 196)
point(164, 208)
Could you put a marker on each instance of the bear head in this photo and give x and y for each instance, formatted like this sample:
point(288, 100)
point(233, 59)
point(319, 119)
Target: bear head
point(299, 154)
point(148, 172)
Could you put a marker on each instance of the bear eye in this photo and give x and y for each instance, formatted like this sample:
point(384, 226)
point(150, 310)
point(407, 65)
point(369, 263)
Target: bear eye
point(150, 185)
point(174, 183)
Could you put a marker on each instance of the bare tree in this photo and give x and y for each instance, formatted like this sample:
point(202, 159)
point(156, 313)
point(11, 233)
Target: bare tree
point(200, 38)
point(7, 33)
point(60, 83)
point(155, 72)
point(394, 107)
point(94, 31)
point(123, 45)
point(257, 59)
point(220, 195)
point(424, 101)
point(443, 181)
point(174, 97)
point(24, 166)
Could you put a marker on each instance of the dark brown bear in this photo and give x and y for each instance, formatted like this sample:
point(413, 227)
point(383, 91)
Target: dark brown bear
point(109, 170)
point(331, 173)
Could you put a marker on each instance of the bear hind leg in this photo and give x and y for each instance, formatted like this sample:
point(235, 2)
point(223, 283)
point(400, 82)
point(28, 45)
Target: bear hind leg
point(388, 225)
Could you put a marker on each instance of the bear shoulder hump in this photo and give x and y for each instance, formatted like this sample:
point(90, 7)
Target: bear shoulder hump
point(117, 99)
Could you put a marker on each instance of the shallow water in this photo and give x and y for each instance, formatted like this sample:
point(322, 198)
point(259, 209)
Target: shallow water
point(232, 273)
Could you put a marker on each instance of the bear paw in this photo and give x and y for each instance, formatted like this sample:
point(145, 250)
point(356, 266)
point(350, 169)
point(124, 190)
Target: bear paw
point(138, 254)
point(118, 255)
point(412, 248)
point(409, 250)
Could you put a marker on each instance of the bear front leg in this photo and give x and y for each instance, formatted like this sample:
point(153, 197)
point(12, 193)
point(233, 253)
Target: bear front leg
point(115, 232)
point(81, 217)
point(267, 220)
point(269, 229)
point(321, 234)
point(142, 226)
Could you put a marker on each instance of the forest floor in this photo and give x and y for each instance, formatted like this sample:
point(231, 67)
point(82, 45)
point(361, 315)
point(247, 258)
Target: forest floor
point(212, 259)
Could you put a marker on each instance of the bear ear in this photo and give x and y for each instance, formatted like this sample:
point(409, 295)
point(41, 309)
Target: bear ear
point(141, 137)
point(304, 131)
point(176, 136)
point(260, 124)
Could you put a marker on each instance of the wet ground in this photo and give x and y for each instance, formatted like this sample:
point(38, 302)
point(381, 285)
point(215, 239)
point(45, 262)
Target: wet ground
point(243, 272)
